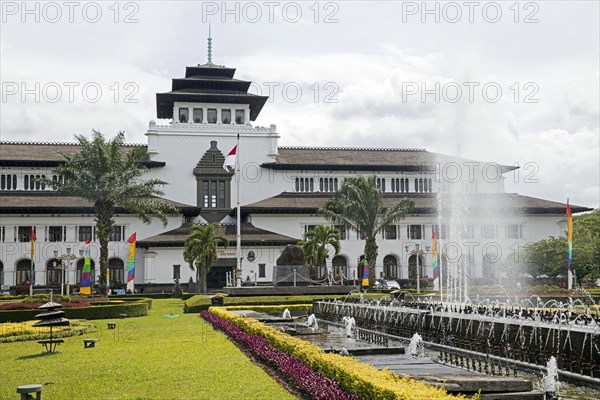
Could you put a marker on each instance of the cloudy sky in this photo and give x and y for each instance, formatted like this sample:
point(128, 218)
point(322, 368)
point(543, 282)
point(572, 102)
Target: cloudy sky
point(515, 83)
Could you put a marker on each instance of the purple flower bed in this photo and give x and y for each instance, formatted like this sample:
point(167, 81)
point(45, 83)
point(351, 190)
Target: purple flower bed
point(314, 383)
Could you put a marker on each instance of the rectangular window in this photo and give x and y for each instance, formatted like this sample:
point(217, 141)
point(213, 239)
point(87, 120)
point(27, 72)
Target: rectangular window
point(488, 231)
point(467, 232)
point(440, 230)
point(414, 232)
point(213, 194)
point(205, 193)
point(184, 115)
point(55, 233)
point(176, 271)
point(240, 117)
point(225, 116)
point(211, 115)
point(198, 115)
point(222, 194)
point(24, 234)
point(512, 231)
point(342, 230)
point(85, 233)
point(309, 228)
point(116, 235)
point(390, 232)
point(262, 270)
point(2, 234)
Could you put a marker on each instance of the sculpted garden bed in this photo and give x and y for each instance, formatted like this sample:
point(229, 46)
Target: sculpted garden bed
point(76, 308)
point(354, 379)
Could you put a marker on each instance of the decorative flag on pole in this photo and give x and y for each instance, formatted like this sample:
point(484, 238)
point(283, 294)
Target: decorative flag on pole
point(85, 287)
point(230, 159)
point(32, 273)
point(436, 267)
point(131, 263)
point(569, 245)
point(365, 281)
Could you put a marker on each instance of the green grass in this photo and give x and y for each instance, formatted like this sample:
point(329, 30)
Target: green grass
point(144, 358)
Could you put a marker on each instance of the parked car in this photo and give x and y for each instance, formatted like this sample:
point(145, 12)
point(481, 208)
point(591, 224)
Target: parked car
point(386, 284)
point(390, 284)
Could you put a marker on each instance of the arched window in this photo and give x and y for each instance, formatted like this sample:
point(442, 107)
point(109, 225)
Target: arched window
point(412, 267)
point(53, 272)
point(80, 271)
point(23, 271)
point(390, 267)
point(488, 265)
point(116, 271)
point(339, 266)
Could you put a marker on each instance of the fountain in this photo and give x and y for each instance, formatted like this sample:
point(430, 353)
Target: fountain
point(523, 334)
point(349, 323)
point(312, 322)
point(551, 384)
point(286, 314)
point(415, 347)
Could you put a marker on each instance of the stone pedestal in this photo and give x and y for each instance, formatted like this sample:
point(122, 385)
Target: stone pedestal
point(283, 275)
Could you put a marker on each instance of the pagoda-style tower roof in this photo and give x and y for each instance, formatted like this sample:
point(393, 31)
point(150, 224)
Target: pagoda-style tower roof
point(209, 83)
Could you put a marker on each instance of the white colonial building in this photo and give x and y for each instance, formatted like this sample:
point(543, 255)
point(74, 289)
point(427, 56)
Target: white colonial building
point(281, 189)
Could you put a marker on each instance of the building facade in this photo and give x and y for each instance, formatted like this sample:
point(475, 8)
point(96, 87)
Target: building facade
point(208, 112)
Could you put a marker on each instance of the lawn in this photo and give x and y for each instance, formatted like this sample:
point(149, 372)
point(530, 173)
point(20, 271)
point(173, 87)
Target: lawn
point(149, 357)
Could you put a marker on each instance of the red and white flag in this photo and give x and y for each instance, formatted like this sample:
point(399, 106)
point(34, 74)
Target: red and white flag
point(230, 159)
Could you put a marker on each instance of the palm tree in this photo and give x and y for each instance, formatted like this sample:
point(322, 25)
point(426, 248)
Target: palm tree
point(200, 251)
point(358, 205)
point(315, 244)
point(109, 176)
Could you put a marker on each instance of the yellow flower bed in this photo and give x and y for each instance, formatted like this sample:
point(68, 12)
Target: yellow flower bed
point(21, 328)
point(363, 380)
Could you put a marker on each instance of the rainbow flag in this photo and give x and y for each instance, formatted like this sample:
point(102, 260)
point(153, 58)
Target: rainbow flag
point(131, 263)
point(434, 262)
point(85, 286)
point(569, 236)
point(365, 281)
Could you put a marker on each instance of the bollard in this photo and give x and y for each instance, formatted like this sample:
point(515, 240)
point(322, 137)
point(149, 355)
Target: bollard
point(25, 391)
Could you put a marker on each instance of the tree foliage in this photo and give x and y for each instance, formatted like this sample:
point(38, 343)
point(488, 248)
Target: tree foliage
point(358, 205)
point(316, 244)
point(201, 251)
point(109, 175)
point(549, 256)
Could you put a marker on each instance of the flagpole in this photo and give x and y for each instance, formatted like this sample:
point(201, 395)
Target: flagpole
point(32, 267)
point(569, 246)
point(238, 249)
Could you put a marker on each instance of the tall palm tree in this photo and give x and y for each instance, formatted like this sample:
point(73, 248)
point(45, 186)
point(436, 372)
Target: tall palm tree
point(358, 205)
point(109, 175)
point(200, 251)
point(316, 242)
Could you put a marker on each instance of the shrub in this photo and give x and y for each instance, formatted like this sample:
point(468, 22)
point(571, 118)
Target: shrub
point(274, 309)
point(132, 309)
point(45, 298)
point(314, 383)
point(200, 303)
point(361, 379)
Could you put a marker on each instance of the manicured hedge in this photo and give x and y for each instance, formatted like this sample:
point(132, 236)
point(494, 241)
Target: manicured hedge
point(363, 380)
point(274, 309)
point(131, 308)
point(201, 303)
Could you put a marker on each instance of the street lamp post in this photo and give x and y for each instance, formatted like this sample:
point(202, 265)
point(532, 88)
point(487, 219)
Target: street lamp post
point(417, 247)
point(66, 260)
